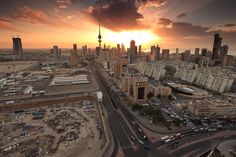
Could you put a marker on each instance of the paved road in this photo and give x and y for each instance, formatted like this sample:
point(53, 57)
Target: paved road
point(117, 124)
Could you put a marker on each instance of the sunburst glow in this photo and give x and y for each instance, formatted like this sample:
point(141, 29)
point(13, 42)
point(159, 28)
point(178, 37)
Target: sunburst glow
point(141, 37)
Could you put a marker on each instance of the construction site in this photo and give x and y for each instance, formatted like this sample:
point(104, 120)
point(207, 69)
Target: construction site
point(59, 130)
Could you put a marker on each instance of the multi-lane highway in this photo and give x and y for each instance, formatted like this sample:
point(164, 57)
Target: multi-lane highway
point(117, 124)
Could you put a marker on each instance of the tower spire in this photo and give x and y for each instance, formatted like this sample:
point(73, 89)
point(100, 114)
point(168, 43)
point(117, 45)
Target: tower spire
point(99, 35)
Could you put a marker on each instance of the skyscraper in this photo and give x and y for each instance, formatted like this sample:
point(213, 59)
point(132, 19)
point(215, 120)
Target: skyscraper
point(132, 48)
point(118, 51)
point(56, 51)
point(155, 53)
point(139, 49)
point(177, 50)
point(204, 52)
point(17, 46)
point(132, 51)
point(197, 51)
point(216, 46)
point(152, 55)
point(153, 50)
point(74, 56)
point(75, 47)
point(158, 53)
point(118, 48)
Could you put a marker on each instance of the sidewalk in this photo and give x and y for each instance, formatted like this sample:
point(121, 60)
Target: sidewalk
point(109, 143)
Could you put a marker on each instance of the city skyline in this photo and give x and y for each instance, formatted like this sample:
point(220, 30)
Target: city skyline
point(173, 24)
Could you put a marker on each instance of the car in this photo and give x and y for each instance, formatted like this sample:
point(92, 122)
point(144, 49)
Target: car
point(146, 146)
point(140, 141)
point(140, 130)
point(167, 141)
point(132, 138)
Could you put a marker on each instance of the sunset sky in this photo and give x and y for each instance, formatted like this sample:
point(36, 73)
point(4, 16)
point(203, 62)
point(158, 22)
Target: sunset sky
point(170, 23)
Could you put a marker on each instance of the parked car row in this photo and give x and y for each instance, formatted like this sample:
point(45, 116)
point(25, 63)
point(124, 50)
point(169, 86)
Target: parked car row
point(193, 131)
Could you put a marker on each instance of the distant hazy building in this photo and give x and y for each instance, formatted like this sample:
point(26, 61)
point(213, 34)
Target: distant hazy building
point(132, 52)
point(185, 56)
point(197, 51)
point(133, 48)
point(152, 53)
point(59, 54)
point(165, 54)
point(74, 56)
point(216, 46)
point(139, 49)
point(118, 50)
point(155, 53)
point(177, 50)
point(229, 60)
point(118, 67)
point(223, 51)
point(75, 47)
point(56, 51)
point(17, 46)
point(158, 53)
point(204, 52)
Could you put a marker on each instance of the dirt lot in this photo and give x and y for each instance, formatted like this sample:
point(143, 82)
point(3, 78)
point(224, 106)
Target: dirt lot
point(61, 130)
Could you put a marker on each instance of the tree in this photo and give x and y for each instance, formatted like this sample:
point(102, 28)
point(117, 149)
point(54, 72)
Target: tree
point(177, 122)
point(136, 107)
point(150, 95)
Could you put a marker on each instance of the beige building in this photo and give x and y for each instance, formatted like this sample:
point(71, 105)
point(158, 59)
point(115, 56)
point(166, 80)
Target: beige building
point(137, 88)
point(124, 84)
point(73, 58)
point(199, 108)
point(117, 68)
point(162, 91)
point(213, 108)
point(222, 108)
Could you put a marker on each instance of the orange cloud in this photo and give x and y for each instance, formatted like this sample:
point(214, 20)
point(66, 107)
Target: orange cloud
point(6, 25)
point(29, 15)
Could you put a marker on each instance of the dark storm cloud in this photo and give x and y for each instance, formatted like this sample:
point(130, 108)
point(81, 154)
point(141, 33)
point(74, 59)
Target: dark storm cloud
point(230, 25)
point(182, 15)
point(215, 12)
point(121, 14)
point(164, 22)
point(180, 29)
point(118, 15)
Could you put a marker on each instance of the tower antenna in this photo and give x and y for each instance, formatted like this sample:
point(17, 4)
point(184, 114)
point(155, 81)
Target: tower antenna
point(99, 28)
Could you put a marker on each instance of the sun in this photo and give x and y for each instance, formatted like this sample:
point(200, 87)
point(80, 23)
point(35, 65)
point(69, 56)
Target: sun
point(140, 37)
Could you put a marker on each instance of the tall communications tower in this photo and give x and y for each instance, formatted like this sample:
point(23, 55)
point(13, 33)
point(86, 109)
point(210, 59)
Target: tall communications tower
point(99, 35)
